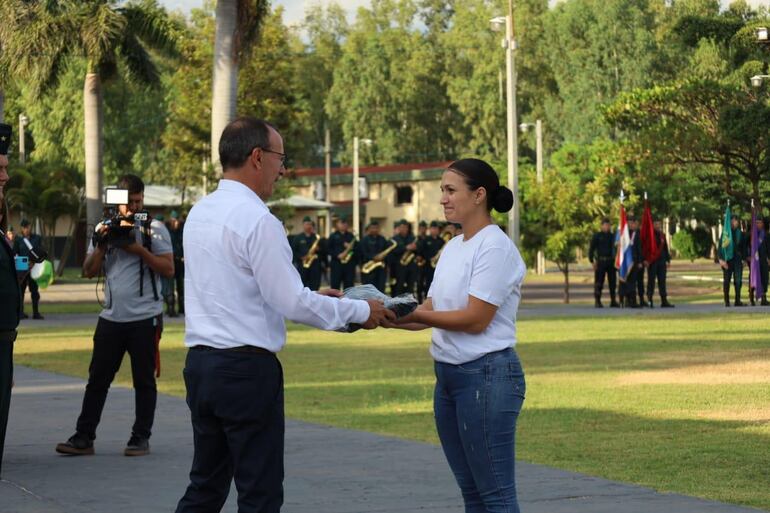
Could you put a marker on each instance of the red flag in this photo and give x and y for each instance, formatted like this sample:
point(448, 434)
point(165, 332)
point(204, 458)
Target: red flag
point(650, 249)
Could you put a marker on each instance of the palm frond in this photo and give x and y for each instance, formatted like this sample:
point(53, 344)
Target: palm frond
point(150, 23)
point(139, 66)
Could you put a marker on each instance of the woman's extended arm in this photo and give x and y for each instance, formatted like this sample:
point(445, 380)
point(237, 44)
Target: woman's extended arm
point(473, 319)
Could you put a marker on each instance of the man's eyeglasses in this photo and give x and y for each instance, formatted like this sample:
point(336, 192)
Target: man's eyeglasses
point(282, 156)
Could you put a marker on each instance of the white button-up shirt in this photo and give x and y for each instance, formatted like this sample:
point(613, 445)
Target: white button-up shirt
point(240, 283)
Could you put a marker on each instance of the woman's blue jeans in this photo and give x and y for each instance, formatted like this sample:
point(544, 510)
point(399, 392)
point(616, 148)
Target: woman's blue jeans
point(476, 406)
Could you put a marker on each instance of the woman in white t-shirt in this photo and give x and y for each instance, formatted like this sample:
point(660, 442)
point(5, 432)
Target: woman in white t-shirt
point(471, 306)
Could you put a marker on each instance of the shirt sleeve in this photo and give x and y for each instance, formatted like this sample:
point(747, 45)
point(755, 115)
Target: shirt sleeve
point(161, 239)
point(279, 283)
point(495, 274)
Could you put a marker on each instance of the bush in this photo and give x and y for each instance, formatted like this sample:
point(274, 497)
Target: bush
point(692, 244)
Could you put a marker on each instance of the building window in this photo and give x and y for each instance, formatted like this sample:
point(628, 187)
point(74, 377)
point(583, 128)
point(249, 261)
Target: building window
point(404, 195)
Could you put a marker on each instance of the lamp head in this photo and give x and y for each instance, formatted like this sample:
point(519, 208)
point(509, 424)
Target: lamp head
point(497, 24)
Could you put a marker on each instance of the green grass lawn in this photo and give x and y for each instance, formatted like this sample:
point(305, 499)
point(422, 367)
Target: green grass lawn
point(680, 404)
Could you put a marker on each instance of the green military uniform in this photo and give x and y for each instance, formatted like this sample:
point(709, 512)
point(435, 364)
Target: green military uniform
point(406, 274)
point(370, 246)
point(10, 308)
point(342, 274)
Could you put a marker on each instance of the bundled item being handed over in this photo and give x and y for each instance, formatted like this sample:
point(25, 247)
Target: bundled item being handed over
point(400, 305)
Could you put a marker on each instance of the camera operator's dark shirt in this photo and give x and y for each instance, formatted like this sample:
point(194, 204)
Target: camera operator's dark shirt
point(21, 249)
point(121, 271)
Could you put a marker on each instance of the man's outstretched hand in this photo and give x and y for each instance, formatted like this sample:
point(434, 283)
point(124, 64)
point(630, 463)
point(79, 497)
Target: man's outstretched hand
point(378, 314)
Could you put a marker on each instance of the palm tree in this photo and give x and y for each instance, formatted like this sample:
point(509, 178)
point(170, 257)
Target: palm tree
point(39, 37)
point(237, 28)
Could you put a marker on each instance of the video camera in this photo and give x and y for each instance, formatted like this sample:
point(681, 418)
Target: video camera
point(120, 228)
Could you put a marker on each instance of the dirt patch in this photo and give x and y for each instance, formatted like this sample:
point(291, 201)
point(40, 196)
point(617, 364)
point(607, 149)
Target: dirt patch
point(747, 370)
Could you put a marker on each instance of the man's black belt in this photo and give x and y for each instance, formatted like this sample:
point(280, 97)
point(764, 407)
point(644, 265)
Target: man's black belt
point(7, 337)
point(238, 349)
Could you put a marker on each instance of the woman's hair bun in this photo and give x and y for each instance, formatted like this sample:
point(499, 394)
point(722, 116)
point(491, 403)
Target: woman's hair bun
point(503, 200)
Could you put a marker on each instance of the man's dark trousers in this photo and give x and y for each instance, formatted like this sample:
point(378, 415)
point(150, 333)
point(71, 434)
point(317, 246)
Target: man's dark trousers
point(111, 341)
point(342, 275)
point(34, 291)
point(236, 405)
point(6, 378)
point(733, 272)
point(657, 271)
point(604, 266)
point(376, 278)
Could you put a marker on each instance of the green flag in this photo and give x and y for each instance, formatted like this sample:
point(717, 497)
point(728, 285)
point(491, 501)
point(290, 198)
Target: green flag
point(726, 243)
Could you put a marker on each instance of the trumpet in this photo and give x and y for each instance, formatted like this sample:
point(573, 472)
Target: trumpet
point(348, 251)
point(312, 254)
point(379, 259)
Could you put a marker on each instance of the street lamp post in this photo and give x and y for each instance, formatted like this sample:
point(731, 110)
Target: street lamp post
point(538, 125)
point(513, 175)
point(328, 177)
point(23, 122)
point(356, 199)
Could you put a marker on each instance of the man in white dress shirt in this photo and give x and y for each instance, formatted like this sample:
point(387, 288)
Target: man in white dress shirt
point(240, 285)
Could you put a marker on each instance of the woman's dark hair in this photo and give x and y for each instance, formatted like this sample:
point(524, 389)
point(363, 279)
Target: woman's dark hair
point(478, 173)
point(239, 139)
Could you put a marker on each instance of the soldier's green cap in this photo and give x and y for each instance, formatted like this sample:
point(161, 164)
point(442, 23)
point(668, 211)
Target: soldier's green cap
point(174, 214)
point(401, 221)
point(307, 219)
point(24, 222)
point(160, 217)
point(373, 223)
point(10, 228)
point(5, 138)
point(423, 223)
point(606, 220)
point(435, 224)
point(458, 226)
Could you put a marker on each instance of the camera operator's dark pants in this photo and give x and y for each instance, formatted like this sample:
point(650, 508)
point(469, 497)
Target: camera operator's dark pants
point(236, 404)
point(111, 341)
point(179, 280)
point(605, 266)
point(34, 291)
point(657, 271)
point(733, 272)
point(342, 274)
point(6, 379)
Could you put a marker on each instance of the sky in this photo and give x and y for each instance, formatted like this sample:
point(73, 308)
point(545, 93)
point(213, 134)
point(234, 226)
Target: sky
point(294, 9)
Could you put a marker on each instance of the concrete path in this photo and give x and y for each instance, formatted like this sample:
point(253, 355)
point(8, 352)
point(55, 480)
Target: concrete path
point(328, 470)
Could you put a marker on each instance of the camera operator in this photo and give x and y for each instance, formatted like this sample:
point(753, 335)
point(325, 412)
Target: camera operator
point(130, 321)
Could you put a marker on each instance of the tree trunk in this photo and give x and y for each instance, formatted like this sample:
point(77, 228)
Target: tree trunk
point(70, 239)
point(92, 106)
point(566, 283)
point(225, 79)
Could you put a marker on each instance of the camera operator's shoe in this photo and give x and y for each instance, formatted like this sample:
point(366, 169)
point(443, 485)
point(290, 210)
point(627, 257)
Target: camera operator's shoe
point(137, 446)
point(76, 445)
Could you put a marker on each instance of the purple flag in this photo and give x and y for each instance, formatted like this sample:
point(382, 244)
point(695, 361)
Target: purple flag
point(757, 237)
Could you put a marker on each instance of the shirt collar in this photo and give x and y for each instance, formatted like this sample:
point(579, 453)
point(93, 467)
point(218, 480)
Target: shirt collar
point(228, 185)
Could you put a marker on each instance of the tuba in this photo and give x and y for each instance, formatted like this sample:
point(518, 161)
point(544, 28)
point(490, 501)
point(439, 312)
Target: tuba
point(312, 254)
point(349, 251)
point(379, 259)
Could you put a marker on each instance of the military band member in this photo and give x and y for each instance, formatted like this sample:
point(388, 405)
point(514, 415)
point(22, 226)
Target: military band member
point(732, 269)
point(761, 255)
point(601, 254)
point(430, 249)
point(422, 233)
point(404, 256)
point(307, 255)
point(372, 244)
point(657, 269)
point(344, 256)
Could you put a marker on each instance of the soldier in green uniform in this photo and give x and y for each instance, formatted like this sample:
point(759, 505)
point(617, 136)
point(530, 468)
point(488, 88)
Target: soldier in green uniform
point(391, 262)
point(429, 251)
point(732, 268)
point(20, 248)
point(657, 270)
point(10, 306)
point(371, 245)
point(404, 258)
point(308, 254)
point(422, 235)
point(601, 254)
point(344, 255)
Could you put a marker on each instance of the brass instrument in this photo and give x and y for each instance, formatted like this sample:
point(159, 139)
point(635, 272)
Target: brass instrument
point(434, 258)
point(379, 259)
point(312, 253)
point(349, 251)
point(407, 258)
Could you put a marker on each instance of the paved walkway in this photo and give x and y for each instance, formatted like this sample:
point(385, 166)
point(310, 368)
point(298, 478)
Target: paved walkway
point(328, 470)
